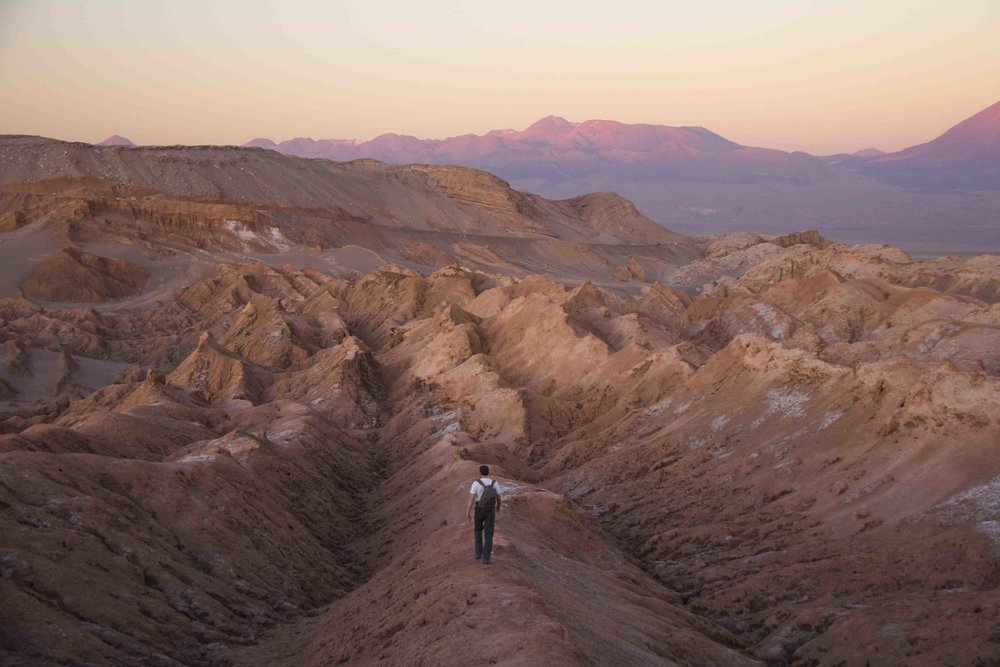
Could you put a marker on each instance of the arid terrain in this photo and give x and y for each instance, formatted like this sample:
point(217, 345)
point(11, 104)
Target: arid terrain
point(244, 394)
point(934, 198)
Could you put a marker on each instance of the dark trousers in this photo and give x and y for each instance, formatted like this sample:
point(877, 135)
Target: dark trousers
point(483, 525)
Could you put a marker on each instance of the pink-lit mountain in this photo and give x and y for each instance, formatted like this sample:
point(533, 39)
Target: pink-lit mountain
point(965, 157)
point(554, 150)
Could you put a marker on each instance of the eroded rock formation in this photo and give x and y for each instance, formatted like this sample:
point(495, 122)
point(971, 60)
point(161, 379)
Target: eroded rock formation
point(756, 449)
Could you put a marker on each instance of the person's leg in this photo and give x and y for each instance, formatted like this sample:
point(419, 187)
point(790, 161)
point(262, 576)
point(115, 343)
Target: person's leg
point(477, 523)
point(489, 519)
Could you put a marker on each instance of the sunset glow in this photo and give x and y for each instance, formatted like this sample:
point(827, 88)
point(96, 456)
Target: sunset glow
point(822, 77)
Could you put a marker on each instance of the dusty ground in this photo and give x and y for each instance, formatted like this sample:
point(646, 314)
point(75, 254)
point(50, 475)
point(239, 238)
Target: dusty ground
point(736, 450)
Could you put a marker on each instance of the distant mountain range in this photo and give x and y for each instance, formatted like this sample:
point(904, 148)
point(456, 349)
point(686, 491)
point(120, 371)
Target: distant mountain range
point(116, 140)
point(554, 150)
point(941, 196)
point(966, 157)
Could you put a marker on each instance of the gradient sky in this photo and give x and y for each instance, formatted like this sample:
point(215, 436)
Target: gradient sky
point(822, 77)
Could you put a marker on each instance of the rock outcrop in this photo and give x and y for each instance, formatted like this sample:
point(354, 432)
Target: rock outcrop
point(71, 275)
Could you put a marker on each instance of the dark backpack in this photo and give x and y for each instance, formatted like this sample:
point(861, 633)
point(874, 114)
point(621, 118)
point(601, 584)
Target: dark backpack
point(489, 498)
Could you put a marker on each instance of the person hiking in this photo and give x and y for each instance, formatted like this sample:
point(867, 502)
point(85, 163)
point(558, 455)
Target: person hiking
point(484, 498)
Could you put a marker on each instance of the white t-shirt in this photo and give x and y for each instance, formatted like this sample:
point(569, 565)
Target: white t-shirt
point(477, 488)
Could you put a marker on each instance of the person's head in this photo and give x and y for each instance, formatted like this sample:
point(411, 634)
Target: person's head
point(484, 470)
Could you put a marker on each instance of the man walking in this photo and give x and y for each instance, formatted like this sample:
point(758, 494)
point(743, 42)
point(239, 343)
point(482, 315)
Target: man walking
point(484, 498)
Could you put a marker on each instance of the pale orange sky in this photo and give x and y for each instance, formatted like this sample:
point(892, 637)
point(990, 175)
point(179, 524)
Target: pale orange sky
point(822, 77)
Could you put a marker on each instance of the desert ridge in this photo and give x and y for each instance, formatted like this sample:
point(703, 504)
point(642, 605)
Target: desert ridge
point(244, 432)
point(936, 198)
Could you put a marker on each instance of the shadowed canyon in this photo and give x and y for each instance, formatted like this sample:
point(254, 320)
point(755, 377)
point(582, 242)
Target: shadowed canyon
point(244, 393)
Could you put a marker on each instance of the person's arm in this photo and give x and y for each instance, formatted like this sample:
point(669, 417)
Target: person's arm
point(472, 503)
point(498, 503)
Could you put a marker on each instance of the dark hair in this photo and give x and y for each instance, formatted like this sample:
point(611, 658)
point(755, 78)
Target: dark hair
point(484, 470)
